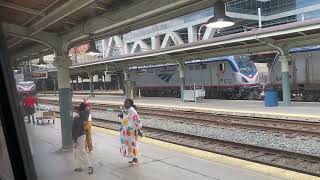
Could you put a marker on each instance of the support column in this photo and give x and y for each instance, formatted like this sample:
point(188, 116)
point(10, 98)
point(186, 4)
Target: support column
point(104, 83)
point(182, 78)
point(62, 63)
point(269, 66)
point(54, 87)
point(118, 82)
point(45, 86)
point(192, 34)
point(107, 79)
point(209, 33)
point(155, 43)
point(91, 85)
point(72, 85)
point(125, 83)
point(285, 80)
point(126, 49)
point(77, 83)
point(82, 88)
point(101, 83)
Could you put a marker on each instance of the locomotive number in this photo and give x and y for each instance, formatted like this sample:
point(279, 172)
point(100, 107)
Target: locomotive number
point(227, 81)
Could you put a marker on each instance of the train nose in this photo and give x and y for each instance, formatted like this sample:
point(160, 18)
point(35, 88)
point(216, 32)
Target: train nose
point(257, 78)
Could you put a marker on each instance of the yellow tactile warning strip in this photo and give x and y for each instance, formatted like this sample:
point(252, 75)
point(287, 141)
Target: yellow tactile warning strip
point(274, 115)
point(260, 168)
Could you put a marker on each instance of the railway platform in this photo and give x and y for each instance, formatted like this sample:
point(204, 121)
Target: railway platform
point(301, 111)
point(159, 160)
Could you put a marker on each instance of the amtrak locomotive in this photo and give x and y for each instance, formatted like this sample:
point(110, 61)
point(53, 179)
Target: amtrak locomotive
point(233, 77)
point(23, 85)
point(26, 87)
point(226, 77)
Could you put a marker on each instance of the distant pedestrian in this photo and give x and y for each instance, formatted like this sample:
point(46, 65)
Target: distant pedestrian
point(129, 131)
point(29, 102)
point(87, 102)
point(79, 139)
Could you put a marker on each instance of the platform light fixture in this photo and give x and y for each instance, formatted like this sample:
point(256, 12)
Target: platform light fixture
point(219, 20)
point(92, 48)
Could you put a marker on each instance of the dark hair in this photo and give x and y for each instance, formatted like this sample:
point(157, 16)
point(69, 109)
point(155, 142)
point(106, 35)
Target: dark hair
point(82, 106)
point(131, 103)
point(76, 108)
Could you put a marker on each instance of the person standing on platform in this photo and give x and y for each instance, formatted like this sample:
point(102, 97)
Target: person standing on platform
point(88, 127)
point(130, 129)
point(29, 102)
point(86, 102)
point(79, 138)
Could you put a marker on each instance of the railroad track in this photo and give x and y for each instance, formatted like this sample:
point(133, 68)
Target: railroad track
point(288, 128)
point(299, 162)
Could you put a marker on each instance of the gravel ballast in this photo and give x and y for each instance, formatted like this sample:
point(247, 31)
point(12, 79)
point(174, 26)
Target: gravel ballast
point(259, 138)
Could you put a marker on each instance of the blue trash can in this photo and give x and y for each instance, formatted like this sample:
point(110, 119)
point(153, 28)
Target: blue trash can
point(271, 98)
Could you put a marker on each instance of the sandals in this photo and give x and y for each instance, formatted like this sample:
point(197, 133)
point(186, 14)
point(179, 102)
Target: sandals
point(133, 162)
point(78, 169)
point(90, 170)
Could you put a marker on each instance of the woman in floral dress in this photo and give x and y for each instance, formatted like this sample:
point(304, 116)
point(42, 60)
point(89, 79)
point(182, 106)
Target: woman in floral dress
point(129, 132)
point(88, 126)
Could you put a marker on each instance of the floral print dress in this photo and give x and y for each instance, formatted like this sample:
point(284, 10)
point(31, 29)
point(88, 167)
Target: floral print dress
point(130, 124)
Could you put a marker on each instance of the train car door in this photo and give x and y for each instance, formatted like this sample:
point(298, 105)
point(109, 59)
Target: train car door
point(300, 62)
point(313, 68)
point(214, 68)
point(221, 70)
point(220, 75)
point(225, 74)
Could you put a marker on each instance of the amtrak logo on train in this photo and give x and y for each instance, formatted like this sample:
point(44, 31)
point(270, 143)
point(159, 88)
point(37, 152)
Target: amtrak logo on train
point(165, 76)
point(166, 73)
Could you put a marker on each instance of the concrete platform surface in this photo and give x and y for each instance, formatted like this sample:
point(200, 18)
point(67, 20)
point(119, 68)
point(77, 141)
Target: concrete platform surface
point(297, 111)
point(157, 162)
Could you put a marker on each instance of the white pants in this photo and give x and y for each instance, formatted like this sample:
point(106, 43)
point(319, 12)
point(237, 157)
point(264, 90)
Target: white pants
point(81, 157)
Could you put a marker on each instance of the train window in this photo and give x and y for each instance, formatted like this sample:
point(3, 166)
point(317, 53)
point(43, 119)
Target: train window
point(221, 66)
point(203, 66)
point(150, 71)
point(197, 67)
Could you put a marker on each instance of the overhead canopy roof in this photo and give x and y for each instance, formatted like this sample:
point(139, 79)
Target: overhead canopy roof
point(298, 34)
point(73, 20)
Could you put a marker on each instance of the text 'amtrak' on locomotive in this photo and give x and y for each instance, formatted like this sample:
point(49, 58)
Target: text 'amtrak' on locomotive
point(225, 77)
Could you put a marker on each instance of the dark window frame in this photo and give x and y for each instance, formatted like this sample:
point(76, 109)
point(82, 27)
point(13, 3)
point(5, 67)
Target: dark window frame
point(12, 120)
